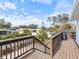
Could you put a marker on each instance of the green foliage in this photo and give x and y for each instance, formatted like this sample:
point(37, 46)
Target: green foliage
point(65, 18)
point(61, 19)
point(7, 36)
point(4, 24)
point(27, 32)
point(33, 26)
point(56, 28)
point(43, 27)
point(42, 35)
point(53, 19)
point(67, 26)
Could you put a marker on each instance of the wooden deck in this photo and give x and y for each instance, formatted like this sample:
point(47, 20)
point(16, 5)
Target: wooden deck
point(36, 55)
point(68, 50)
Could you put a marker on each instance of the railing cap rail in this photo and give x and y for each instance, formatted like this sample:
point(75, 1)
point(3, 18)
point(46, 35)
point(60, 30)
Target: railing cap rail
point(69, 31)
point(20, 38)
point(15, 39)
point(56, 35)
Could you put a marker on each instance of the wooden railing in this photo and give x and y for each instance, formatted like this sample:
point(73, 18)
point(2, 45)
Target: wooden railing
point(71, 34)
point(57, 40)
point(55, 43)
point(15, 48)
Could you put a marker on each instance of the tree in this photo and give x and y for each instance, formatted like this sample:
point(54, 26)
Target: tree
point(33, 26)
point(23, 26)
point(62, 19)
point(56, 28)
point(53, 18)
point(4, 24)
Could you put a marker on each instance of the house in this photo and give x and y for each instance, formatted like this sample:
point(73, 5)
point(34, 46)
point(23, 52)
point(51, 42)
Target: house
point(75, 17)
point(34, 31)
point(5, 31)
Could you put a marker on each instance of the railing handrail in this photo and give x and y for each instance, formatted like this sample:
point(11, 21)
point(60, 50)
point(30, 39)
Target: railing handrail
point(16, 43)
point(14, 39)
point(3, 42)
point(56, 35)
point(41, 42)
point(21, 38)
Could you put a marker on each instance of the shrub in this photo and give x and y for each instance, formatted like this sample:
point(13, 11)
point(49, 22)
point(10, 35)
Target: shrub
point(27, 32)
point(42, 35)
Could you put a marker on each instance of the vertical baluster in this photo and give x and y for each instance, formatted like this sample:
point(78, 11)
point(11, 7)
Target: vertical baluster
point(33, 45)
point(26, 45)
point(45, 49)
point(23, 46)
point(17, 49)
point(10, 51)
point(1, 50)
point(31, 42)
point(6, 50)
point(20, 48)
point(14, 50)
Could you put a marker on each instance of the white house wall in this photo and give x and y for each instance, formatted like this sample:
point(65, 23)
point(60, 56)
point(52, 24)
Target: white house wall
point(75, 16)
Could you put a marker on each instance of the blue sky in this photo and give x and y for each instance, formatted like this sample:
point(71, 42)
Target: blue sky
point(25, 12)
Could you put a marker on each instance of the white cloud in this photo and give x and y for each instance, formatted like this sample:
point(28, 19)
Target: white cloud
point(43, 1)
point(63, 6)
point(17, 20)
point(8, 5)
point(22, 1)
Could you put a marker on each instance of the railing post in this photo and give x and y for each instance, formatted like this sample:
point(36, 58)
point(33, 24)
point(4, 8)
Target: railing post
point(52, 49)
point(62, 36)
point(33, 45)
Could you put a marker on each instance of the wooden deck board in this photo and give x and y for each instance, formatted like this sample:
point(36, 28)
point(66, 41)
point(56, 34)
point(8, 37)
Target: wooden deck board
point(68, 50)
point(37, 55)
